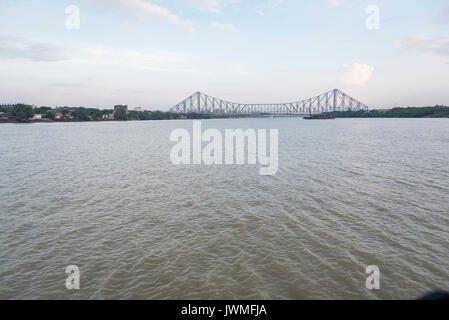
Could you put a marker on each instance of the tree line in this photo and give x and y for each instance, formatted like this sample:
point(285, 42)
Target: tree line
point(21, 112)
point(24, 113)
point(410, 112)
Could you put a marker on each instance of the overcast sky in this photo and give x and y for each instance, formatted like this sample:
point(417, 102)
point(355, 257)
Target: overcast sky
point(154, 53)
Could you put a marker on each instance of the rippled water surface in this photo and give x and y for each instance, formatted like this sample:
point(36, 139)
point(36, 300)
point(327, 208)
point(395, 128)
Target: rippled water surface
point(105, 197)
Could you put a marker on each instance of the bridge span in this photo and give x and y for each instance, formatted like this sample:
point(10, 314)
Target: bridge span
point(331, 101)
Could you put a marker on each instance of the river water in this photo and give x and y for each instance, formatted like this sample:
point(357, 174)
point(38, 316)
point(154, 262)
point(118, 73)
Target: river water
point(105, 197)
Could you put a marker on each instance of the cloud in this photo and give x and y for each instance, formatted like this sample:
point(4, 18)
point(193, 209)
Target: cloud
point(140, 59)
point(214, 6)
point(269, 5)
point(336, 2)
point(208, 5)
point(275, 3)
point(223, 26)
point(22, 48)
point(436, 46)
point(356, 74)
point(17, 48)
point(144, 10)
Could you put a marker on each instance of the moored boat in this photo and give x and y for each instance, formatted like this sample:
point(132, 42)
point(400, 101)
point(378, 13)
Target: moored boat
point(319, 117)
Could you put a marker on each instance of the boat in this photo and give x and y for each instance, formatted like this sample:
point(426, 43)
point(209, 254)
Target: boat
point(319, 117)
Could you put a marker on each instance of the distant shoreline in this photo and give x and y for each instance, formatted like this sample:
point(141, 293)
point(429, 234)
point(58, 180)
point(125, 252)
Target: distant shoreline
point(215, 118)
point(194, 117)
point(71, 121)
point(26, 114)
point(396, 113)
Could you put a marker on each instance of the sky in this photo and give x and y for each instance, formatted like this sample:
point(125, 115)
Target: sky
point(154, 53)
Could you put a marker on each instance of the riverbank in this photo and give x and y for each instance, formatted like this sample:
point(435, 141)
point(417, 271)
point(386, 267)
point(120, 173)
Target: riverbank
point(411, 112)
point(192, 116)
point(8, 121)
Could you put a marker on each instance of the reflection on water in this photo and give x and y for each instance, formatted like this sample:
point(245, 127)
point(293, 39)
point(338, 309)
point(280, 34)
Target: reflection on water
point(105, 197)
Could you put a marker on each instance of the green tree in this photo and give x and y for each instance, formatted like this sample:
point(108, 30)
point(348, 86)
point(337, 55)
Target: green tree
point(81, 114)
point(50, 114)
point(134, 115)
point(120, 115)
point(43, 110)
point(94, 114)
point(23, 112)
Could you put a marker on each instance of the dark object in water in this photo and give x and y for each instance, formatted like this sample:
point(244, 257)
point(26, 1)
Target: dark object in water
point(319, 117)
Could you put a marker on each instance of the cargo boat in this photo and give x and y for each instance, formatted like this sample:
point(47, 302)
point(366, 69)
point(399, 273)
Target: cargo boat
point(319, 117)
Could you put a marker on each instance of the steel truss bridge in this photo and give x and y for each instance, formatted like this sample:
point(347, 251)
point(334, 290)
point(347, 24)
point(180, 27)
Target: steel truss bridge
point(331, 101)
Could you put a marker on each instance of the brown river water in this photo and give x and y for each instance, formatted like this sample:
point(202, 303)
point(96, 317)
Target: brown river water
point(106, 198)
